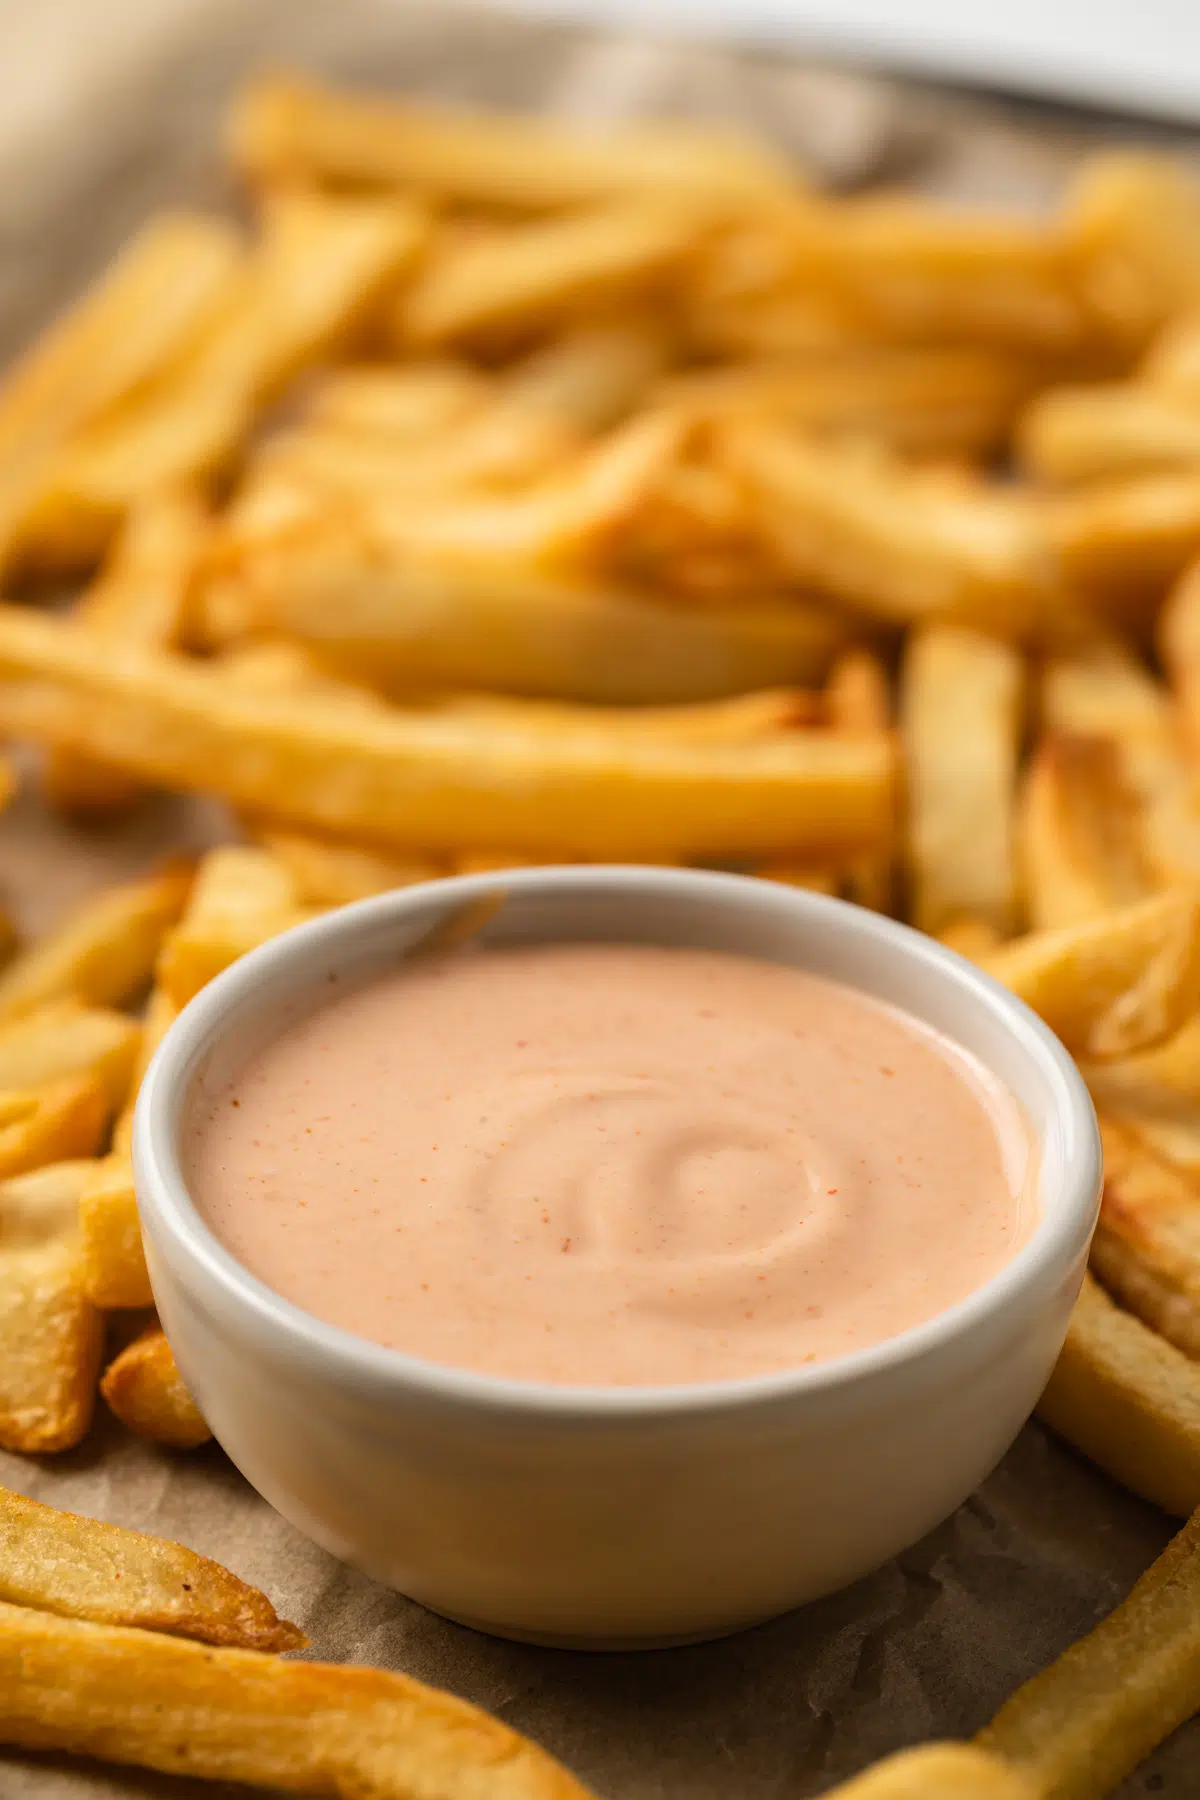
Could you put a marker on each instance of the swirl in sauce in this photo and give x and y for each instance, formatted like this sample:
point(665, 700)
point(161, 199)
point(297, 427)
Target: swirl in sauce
point(612, 1163)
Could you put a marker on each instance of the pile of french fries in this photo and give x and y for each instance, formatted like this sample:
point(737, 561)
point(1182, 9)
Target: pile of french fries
point(508, 492)
point(138, 1650)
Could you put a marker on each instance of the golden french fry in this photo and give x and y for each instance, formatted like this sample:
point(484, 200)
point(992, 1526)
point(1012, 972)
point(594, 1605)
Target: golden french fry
point(591, 376)
point(1131, 226)
point(815, 880)
point(161, 291)
point(320, 1729)
point(400, 620)
point(1104, 692)
point(140, 598)
point(914, 272)
point(145, 1390)
point(1157, 1094)
point(1172, 363)
point(1129, 1401)
point(414, 781)
point(1179, 642)
point(1112, 985)
point(1147, 1245)
point(282, 129)
point(401, 405)
point(317, 274)
point(961, 706)
point(973, 938)
point(54, 1122)
point(937, 1772)
point(77, 1568)
point(240, 898)
point(50, 1334)
point(104, 952)
point(1094, 433)
point(1077, 1729)
point(858, 698)
point(112, 1265)
point(1119, 544)
point(737, 720)
point(564, 517)
point(326, 873)
point(526, 275)
point(1079, 832)
point(888, 540)
point(920, 400)
point(64, 1039)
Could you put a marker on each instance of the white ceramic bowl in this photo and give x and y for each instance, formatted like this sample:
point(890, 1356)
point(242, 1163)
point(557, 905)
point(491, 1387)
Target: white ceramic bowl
point(616, 1516)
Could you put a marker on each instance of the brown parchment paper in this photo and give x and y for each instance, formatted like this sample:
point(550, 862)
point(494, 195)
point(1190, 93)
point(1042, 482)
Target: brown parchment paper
point(931, 1644)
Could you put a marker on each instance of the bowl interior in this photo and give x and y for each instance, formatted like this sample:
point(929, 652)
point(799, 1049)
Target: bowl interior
point(246, 1006)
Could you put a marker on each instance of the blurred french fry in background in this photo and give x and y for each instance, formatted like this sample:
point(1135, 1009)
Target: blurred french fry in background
point(145, 1390)
point(961, 705)
point(321, 266)
point(140, 598)
point(160, 293)
point(103, 953)
point(893, 542)
point(282, 130)
point(532, 273)
point(50, 1334)
point(240, 898)
point(1114, 984)
point(1079, 833)
point(1131, 225)
point(937, 1772)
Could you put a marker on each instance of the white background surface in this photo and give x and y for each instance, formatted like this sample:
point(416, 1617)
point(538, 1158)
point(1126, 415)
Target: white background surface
point(1139, 55)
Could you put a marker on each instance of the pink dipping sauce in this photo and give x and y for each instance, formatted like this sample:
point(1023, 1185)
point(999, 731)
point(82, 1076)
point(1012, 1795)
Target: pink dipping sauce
point(612, 1163)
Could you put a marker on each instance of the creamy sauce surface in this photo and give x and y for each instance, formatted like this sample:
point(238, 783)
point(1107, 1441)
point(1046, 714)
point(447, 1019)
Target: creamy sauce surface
point(612, 1163)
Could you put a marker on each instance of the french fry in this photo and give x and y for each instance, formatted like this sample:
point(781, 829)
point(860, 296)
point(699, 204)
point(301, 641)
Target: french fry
point(1179, 642)
point(1130, 226)
point(161, 291)
point(1129, 1401)
point(890, 541)
point(50, 1334)
point(528, 275)
point(1157, 1094)
point(1077, 1729)
point(326, 873)
point(961, 708)
point(283, 129)
point(1147, 1245)
point(922, 401)
point(592, 375)
point(317, 274)
point(975, 939)
point(400, 620)
point(1172, 363)
point(937, 1772)
point(64, 1039)
point(1104, 692)
point(738, 720)
point(112, 1264)
point(400, 405)
point(54, 1122)
point(413, 781)
point(1112, 985)
point(140, 598)
point(241, 897)
point(1119, 544)
point(858, 698)
point(320, 1729)
point(77, 1568)
point(145, 1390)
point(104, 952)
point(1079, 832)
point(1096, 433)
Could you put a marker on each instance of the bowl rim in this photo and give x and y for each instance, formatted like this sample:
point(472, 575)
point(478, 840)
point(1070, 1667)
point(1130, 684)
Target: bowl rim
point(201, 1262)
